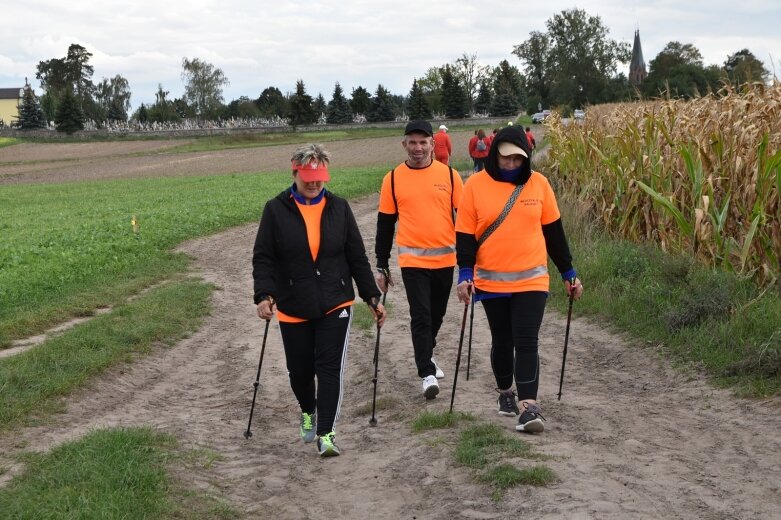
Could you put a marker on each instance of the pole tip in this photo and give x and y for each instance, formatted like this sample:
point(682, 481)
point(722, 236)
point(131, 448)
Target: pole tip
point(247, 434)
point(372, 422)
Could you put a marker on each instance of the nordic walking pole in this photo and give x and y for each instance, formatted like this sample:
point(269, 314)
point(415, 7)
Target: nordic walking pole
point(469, 349)
point(566, 334)
point(458, 356)
point(373, 420)
point(248, 433)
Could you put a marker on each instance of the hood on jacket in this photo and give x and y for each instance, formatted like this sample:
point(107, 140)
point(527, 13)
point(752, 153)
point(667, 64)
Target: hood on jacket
point(516, 136)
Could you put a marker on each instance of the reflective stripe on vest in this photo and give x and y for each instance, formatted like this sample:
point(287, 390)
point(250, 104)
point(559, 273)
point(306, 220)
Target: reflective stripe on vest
point(420, 251)
point(500, 276)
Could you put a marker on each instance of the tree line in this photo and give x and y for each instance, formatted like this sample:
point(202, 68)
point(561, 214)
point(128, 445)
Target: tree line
point(574, 63)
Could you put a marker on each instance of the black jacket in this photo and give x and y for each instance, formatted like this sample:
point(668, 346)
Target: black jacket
point(282, 265)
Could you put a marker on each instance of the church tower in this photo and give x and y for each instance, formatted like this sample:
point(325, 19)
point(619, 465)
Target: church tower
point(637, 71)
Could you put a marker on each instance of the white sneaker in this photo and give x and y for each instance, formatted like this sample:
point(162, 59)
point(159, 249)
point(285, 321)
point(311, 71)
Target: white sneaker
point(439, 374)
point(430, 387)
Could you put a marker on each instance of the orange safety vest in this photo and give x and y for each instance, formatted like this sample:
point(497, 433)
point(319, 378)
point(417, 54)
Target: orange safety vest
point(514, 258)
point(424, 199)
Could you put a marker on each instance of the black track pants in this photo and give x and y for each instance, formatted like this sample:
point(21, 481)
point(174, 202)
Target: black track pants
point(318, 349)
point(515, 327)
point(427, 293)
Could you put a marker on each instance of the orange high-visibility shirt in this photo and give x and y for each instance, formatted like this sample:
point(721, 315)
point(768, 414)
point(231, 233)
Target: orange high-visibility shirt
point(426, 235)
point(514, 257)
point(312, 214)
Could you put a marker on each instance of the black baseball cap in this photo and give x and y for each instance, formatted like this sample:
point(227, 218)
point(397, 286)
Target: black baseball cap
point(418, 125)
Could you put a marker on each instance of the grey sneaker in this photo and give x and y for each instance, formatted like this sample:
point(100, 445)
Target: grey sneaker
point(308, 422)
point(439, 373)
point(531, 419)
point(326, 446)
point(506, 403)
point(430, 387)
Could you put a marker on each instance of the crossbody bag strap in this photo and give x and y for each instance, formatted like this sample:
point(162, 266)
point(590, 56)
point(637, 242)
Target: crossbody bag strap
point(503, 215)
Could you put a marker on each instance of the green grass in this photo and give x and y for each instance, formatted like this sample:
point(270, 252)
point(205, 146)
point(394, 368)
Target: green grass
point(7, 141)
point(485, 448)
point(704, 318)
point(435, 420)
point(108, 474)
point(69, 248)
point(31, 381)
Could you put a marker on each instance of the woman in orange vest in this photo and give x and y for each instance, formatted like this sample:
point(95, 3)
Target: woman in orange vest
point(307, 253)
point(508, 224)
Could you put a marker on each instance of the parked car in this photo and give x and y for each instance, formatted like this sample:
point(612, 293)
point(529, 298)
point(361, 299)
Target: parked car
point(539, 117)
point(579, 114)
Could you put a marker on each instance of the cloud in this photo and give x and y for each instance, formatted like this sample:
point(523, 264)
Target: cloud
point(355, 42)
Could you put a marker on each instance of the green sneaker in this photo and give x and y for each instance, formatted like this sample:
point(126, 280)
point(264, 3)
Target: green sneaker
point(308, 421)
point(326, 446)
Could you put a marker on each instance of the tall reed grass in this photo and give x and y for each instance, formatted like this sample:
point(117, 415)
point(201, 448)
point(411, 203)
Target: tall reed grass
point(699, 177)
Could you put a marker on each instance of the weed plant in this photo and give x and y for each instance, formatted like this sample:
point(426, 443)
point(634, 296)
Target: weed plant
point(708, 319)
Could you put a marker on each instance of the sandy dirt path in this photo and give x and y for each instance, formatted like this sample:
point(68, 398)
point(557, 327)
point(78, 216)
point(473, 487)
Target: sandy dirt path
point(631, 438)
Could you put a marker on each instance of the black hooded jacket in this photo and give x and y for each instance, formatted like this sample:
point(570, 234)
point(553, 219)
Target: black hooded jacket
point(555, 240)
point(282, 265)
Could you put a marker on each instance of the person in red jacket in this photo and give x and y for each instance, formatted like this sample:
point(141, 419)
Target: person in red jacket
point(530, 139)
point(471, 146)
point(478, 149)
point(443, 147)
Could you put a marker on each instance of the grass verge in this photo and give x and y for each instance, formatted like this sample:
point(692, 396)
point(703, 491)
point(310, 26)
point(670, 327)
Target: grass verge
point(7, 141)
point(31, 381)
point(70, 248)
point(117, 473)
point(708, 320)
point(485, 448)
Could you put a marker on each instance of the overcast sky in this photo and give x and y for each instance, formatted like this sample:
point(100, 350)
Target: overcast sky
point(259, 43)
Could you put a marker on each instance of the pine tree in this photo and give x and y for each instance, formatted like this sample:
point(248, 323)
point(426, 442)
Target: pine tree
point(454, 98)
point(339, 111)
point(116, 112)
point(505, 102)
point(361, 101)
point(319, 105)
point(417, 107)
point(484, 98)
point(301, 111)
point(509, 94)
point(30, 113)
point(381, 107)
point(69, 116)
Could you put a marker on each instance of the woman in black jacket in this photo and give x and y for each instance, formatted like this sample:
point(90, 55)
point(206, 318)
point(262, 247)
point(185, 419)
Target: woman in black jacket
point(307, 253)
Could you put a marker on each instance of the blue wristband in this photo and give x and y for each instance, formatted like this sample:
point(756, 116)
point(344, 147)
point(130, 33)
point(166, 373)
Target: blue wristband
point(569, 275)
point(465, 274)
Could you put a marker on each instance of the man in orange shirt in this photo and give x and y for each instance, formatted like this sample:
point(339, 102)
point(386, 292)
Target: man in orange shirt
point(443, 147)
point(422, 195)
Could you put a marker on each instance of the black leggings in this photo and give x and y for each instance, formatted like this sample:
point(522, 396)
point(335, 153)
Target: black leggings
point(427, 293)
point(515, 326)
point(318, 348)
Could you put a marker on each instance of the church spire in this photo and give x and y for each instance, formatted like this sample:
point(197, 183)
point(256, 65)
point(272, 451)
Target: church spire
point(637, 70)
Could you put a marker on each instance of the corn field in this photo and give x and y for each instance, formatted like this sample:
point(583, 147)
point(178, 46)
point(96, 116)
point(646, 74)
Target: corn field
point(699, 177)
